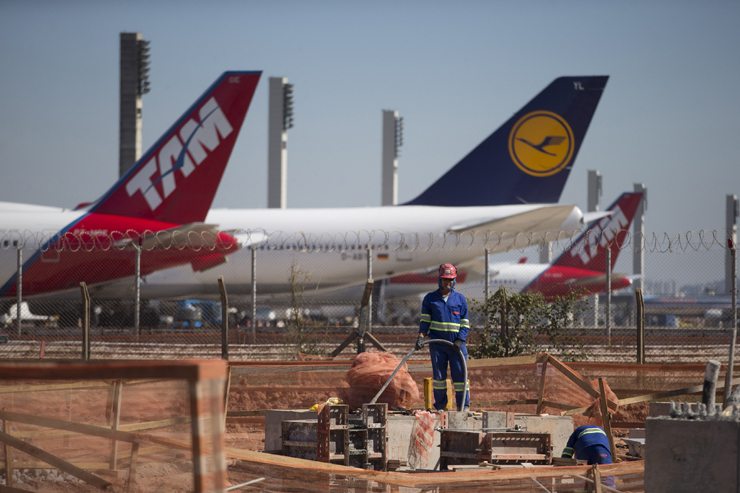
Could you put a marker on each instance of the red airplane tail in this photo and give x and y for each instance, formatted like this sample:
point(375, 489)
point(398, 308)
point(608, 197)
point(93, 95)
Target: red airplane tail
point(177, 179)
point(589, 251)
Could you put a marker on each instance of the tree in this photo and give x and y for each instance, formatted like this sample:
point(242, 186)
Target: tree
point(522, 324)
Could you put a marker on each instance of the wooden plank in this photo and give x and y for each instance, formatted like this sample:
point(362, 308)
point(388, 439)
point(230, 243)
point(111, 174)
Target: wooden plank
point(226, 394)
point(149, 425)
point(583, 384)
point(541, 391)
point(557, 405)
point(510, 361)
point(606, 418)
point(44, 465)
point(260, 412)
point(132, 467)
point(55, 461)
point(429, 479)
point(58, 386)
point(115, 421)
point(511, 402)
point(114, 370)
point(85, 429)
point(671, 393)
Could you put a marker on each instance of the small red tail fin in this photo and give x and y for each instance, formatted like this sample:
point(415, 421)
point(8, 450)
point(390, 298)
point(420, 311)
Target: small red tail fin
point(589, 251)
point(177, 179)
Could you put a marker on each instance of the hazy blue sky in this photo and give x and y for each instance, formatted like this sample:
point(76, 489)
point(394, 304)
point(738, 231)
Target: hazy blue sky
point(455, 71)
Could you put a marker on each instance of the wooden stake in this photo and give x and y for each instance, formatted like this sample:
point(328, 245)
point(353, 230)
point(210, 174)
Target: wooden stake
point(541, 392)
point(116, 420)
point(226, 393)
point(8, 458)
point(606, 420)
point(597, 478)
point(132, 466)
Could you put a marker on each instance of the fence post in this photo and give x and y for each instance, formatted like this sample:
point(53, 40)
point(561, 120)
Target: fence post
point(254, 294)
point(85, 322)
point(369, 278)
point(137, 290)
point(504, 320)
point(731, 364)
point(224, 319)
point(488, 280)
point(608, 307)
point(19, 289)
point(640, 325)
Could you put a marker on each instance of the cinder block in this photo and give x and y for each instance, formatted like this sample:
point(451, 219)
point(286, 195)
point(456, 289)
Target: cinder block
point(691, 455)
point(273, 424)
point(659, 409)
point(559, 428)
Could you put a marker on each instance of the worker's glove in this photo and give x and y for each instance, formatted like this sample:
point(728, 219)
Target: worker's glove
point(419, 342)
point(459, 343)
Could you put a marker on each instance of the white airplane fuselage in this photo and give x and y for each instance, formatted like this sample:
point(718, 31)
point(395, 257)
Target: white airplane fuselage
point(326, 248)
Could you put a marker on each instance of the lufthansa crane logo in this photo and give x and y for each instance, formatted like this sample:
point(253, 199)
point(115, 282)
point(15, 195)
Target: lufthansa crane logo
point(541, 143)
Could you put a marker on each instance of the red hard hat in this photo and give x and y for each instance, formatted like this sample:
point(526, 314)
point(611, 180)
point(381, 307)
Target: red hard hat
point(447, 271)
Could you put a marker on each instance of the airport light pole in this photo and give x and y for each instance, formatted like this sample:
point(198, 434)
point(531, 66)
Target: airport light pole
point(392, 142)
point(134, 83)
point(279, 120)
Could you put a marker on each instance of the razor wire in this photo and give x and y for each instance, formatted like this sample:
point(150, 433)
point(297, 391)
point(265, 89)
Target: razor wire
point(284, 329)
point(326, 242)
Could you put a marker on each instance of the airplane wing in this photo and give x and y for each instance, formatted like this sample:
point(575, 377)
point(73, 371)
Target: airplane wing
point(593, 280)
point(542, 219)
point(198, 235)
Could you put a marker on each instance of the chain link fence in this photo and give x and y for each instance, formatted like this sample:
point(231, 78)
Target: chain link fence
point(308, 291)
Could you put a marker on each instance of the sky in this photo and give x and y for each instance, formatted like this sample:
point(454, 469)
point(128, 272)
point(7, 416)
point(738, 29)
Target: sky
point(455, 71)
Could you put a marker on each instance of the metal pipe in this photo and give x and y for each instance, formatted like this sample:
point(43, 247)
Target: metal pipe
point(424, 343)
point(731, 364)
point(19, 289)
point(254, 293)
point(608, 307)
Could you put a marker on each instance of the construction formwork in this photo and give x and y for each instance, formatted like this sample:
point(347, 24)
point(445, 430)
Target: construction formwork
point(118, 426)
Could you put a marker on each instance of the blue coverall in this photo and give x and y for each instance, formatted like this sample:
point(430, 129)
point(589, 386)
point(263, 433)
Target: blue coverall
point(447, 320)
point(591, 444)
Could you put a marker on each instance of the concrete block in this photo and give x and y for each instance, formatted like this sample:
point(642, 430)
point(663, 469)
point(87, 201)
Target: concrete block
point(636, 433)
point(691, 455)
point(659, 409)
point(401, 441)
point(559, 427)
point(496, 419)
point(273, 424)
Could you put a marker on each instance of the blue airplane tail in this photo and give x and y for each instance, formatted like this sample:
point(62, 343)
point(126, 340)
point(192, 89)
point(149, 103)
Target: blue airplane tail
point(527, 159)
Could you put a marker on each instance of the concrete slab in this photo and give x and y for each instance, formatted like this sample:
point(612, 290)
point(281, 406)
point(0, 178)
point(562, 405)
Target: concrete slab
point(659, 409)
point(691, 455)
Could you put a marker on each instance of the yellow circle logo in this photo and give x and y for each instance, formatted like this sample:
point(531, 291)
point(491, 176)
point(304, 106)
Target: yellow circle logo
point(541, 143)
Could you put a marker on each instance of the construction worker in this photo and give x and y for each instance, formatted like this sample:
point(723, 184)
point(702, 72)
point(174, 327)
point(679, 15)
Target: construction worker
point(444, 315)
point(591, 444)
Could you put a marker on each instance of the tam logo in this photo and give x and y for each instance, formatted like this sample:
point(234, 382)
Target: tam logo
point(182, 152)
point(600, 234)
